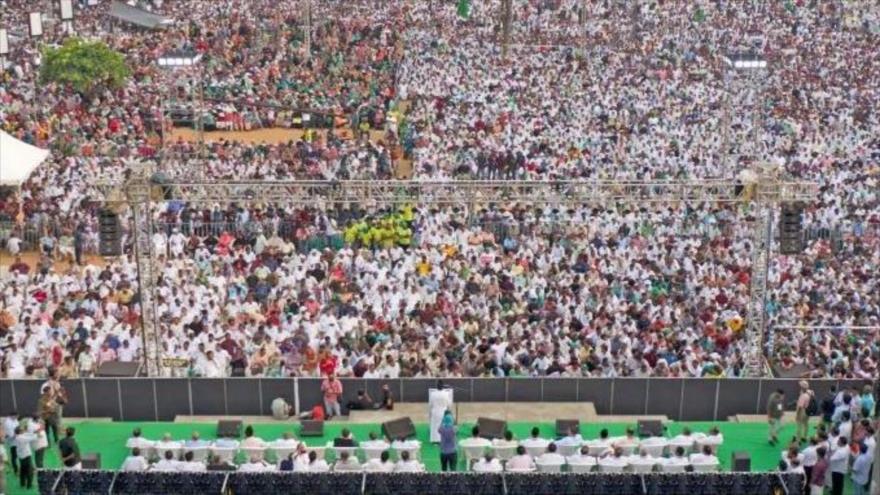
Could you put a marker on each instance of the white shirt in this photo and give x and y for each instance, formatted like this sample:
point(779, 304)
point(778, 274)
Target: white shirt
point(255, 467)
point(535, 442)
point(135, 463)
point(192, 466)
point(139, 442)
point(551, 458)
point(319, 466)
point(483, 466)
point(166, 465)
point(839, 460)
point(810, 456)
point(377, 466)
point(613, 461)
point(701, 458)
point(409, 467)
point(22, 443)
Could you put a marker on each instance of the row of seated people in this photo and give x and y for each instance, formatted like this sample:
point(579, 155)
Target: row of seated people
point(552, 461)
point(574, 443)
point(302, 461)
point(254, 449)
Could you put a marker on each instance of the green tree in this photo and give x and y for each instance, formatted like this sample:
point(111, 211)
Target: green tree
point(87, 66)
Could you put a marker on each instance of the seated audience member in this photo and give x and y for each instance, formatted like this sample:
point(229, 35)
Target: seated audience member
point(628, 440)
point(475, 440)
point(387, 402)
point(684, 437)
point(195, 441)
point(507, 441)
point(190, 464)
point(362, 402)
point(715, 437)
point(216, 463)
point(301, 458)
point(535, 440)
point(407, 465)
point(487, 464)
point(345, 439)
point(167, 463)
point(582, 456)
point(375, 442)
point(135, 462)
point(678, 458)
point(572, 439)
point(406, 444)
point(521, 461)
point(250, 441)
point(285, 442)
point(226, 443)
point(287, 464)
point(706, 457)
point(256, 465)
point(167, 443)
point(551, 456)
point(615, 459)
point(281, 410)
point(381, 465)
point(316, 465)
point(347, 462)
point(136, 440)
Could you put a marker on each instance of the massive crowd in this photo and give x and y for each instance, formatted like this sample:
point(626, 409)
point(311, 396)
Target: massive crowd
point(600, 92)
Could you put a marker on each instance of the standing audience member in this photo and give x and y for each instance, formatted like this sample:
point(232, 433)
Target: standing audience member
point(448, 449)
point(775, 411)
point(332, 390)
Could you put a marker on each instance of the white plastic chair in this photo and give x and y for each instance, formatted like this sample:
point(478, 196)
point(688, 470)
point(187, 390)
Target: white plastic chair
point(504, 453)
point(555, 467)
point(597, 449)
point(582, 467)
point(705, 468)
point(628, 448)
point(413, 452)
point(654, 449)
point(226, 454)
point(200, 454)
point(472, 453)
point(609, 468)
point(688, 446)
point(373, 452)
point(337, 451)
point(641, 467)
point(525, 470)
point(672, 468)
point(258, 453)
point(535, 450)
point(567, 450)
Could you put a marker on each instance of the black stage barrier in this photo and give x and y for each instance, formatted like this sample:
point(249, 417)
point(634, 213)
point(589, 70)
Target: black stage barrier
point(169, 483)
point(162, 399)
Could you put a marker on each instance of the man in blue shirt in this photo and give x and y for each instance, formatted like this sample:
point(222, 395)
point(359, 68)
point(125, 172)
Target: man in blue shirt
point(861, 470)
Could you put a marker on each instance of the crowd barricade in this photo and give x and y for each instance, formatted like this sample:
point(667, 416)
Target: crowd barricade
point(142, 483)
point(162, 399)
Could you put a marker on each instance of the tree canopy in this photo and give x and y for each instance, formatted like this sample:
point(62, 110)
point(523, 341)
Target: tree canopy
point(86, 66)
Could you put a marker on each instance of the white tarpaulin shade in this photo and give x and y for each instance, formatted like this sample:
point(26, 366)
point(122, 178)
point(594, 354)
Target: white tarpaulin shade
point(17, 160)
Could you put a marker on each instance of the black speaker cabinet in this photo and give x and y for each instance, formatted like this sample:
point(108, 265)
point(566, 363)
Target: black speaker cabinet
point(399, 428)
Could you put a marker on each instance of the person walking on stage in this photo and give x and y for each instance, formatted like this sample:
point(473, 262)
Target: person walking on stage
point(775, 410)
point(448, 452)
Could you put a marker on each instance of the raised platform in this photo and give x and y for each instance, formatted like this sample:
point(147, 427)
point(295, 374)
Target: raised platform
point(467, 412)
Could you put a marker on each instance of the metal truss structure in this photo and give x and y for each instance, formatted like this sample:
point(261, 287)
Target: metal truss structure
point(765, 194)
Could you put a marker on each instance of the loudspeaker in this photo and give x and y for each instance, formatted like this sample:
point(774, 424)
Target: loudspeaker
point(650, 428)
point(399, 428)
point(491, 428)
point(740, 462)
point(91, 460)
point(791, 236)
point(109, 233)
point(229, 428)
point(311, 428)
point(564, 425)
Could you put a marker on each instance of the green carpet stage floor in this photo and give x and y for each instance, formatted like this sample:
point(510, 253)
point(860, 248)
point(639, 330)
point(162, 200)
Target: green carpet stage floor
point(109, 439)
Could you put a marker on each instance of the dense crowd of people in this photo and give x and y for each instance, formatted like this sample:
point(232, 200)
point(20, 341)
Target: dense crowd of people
point(588, 91)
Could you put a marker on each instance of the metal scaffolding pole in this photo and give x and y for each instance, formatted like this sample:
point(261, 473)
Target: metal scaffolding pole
point(138, 193)
point(308, 37)
point(766, 193)
point(506, 20)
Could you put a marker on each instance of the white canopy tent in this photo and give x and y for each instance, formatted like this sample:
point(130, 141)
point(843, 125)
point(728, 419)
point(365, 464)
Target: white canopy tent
point(17, 160)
